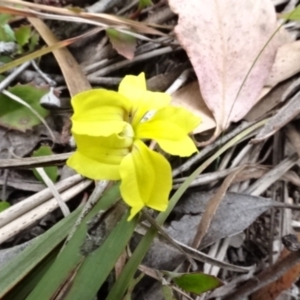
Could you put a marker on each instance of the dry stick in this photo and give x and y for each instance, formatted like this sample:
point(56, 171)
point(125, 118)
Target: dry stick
point(125, 63)
point(65, 59)
point(12, 76)
point(102, 6)
point(216, 145)
point(266, 277)
point(33, 162)
point(29, 218)
point(35, 200)
point(269, 178)
point(63, 206)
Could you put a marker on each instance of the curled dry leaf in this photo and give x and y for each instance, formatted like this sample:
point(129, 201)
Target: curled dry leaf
point(123, 43)
point(222, 42)
point(190, 97)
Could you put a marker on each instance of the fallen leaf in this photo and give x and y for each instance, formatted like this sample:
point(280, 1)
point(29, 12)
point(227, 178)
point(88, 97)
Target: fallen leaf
point(286, 65)
point(190, 97)
point(222, 42)
point(196, 283)
point(123, 43)
point(243, 209)
point(212, 207)
point(14, 115)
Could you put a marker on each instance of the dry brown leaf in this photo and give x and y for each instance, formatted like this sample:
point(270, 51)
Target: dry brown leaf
point(123, 43)
point(190, 97)
point(274, 289)
point(222, 39)
point(73, 74)
point(211, 208)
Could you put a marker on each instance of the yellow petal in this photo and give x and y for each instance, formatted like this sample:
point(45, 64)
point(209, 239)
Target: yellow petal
point(99, 157)
point(93, 169)
point(99, 112)
point(146, 179)
point(142, 101)
point(170, 127)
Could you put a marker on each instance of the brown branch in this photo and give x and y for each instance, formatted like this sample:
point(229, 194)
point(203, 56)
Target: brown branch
point(266, 277)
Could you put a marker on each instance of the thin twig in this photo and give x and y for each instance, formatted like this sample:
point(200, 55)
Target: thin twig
point(13, 75)
point(136, 59)
point(63, 206)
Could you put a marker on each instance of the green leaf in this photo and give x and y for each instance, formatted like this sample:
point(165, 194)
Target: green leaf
point(124, 44)
point(6, 34)
point(25, 286)
point(70, 261)
point(22, 35)
point(32, 55)
point(294, 15)
point(10, 35)
point(4, 18)
point(144, 3)
point(168, 292)
point(34, 41)
point(5, 59)
point(104, 259)
point(18, 268)
point(4, 205)
point(14, 115)
point(196, 283)
point(51, 171)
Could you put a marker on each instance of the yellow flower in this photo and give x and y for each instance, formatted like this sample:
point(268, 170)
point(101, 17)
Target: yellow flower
point(110, 129)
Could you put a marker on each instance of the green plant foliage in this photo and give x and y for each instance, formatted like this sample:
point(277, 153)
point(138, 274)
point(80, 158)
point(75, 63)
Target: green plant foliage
point(294, 15)
point(144, 3)
point(168, 292)
point(34, 41)
point(4, 18)
point(51, 171)
point(4, 205)
point(22, 35)
point(6, 33)
point(18, 268)
point(88, 272)
point(196, 283)
point(14, 115)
